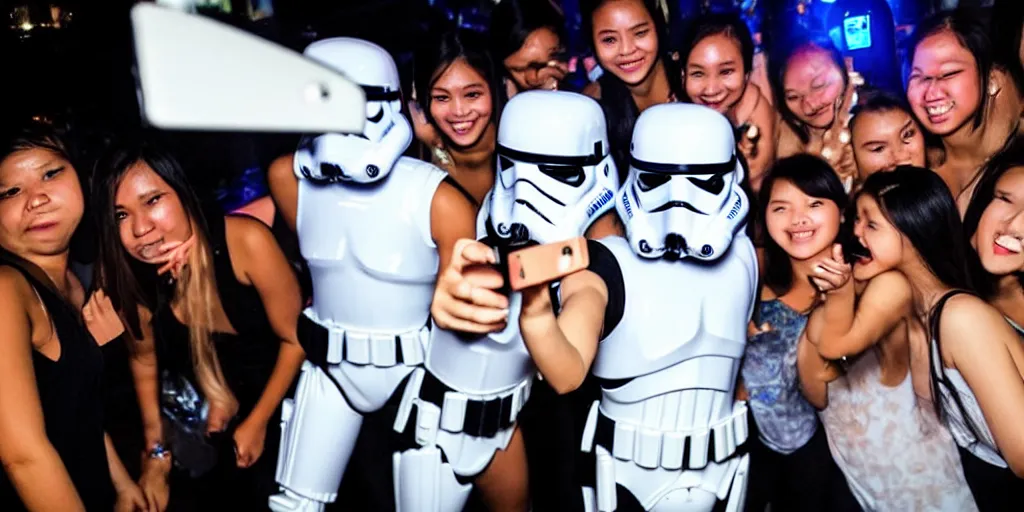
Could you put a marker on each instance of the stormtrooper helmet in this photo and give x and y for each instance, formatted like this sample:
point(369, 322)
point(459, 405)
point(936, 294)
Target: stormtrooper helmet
point(683, 195)
point(554, 174)
point(360, 157)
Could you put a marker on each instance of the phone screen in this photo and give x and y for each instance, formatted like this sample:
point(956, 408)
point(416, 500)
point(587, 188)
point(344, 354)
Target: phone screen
point(857, 30)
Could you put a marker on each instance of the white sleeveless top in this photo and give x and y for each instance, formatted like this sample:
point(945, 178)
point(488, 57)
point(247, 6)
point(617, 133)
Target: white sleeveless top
point(895, 454)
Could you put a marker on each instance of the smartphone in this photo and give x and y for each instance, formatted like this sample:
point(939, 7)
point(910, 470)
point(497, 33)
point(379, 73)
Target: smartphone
point(545, 263)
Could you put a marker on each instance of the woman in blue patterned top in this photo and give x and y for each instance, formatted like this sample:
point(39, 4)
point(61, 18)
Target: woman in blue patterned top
point(802, 201)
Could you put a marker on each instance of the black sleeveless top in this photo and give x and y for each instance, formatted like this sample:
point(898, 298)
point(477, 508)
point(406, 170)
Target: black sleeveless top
point(247, 358)
point(70, 391)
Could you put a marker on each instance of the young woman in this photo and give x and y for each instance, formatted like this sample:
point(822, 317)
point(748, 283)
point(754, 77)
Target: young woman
point(459, 95)
point(814, 94)
point(976, 360)
point(630, 42)
point(54, 452)
point(895, 454)
point(959, 95)
point(884, 134)
point(717, 58)
point(221, 330)
point(527, 39)
point(790, 465)
point(993, 226)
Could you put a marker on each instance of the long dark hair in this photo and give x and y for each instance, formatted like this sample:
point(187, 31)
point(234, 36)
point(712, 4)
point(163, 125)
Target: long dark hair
point(814, 177)
point(617, 102)
point(919, 204)
point(126, 281)
point(711, 24)
point(512, 21)
point(778, 63)
point(434, 58)
point(1007, 27)
point(970, 29)
point(984, 192)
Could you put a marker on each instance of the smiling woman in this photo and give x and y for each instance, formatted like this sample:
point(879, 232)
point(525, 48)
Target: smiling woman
point(802, 201)
point(458, 93)
point(629, 39)
point(962, 96)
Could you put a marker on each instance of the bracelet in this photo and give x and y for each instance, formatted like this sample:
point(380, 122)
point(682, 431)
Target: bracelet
point(158, 452)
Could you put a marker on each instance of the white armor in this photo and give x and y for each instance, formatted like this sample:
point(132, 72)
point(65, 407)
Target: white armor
point(669, 434)
point(368, 156)
point(554, 178)
point(373, 263)
point(676, 209)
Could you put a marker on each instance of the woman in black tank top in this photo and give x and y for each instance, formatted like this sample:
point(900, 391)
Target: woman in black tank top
point(52, 444)
point(215, 347)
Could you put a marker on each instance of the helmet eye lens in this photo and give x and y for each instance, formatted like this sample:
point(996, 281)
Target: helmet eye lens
point(571, 175)
point(648, 181)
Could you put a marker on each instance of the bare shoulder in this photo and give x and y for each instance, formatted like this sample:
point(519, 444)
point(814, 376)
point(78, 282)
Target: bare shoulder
point(281, 166)
point(249, 243)
point(245, 232)
point(764, 114)
point(891, 283)
point(593, 90)
point(14, 288)
point(787, 141)
point(767, 293)
point(449, 199)
point(967, 319)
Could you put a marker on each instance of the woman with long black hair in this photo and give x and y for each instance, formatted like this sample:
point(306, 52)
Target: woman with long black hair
point(975, 358)
point(630, 41)
point(215, 345)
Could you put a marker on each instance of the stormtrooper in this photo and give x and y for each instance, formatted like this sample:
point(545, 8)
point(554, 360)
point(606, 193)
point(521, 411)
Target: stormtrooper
point(366, 227)
point(666, 434)
point(554, 177)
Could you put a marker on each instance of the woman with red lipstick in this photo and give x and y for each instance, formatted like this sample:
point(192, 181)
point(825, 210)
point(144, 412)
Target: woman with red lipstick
point(717, 59)
point(801, 202)
point(215, 345)
point(814, 94)
point(459, 95)
point(629, 38)
point(975, 359)
point(54, 452)
point(994, 225)
point(962, 96)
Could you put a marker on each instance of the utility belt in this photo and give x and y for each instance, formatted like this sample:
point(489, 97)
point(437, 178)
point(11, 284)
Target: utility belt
point(650, 448)
point(332, 345)
point(439, 406)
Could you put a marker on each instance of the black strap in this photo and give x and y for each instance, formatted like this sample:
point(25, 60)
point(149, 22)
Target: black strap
point(378, 93)
point(483, 418)
point(692, 169)
point(604, 436)
point(465, 193)
point(534, 158)
point(314, 339)
point(939, 377)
